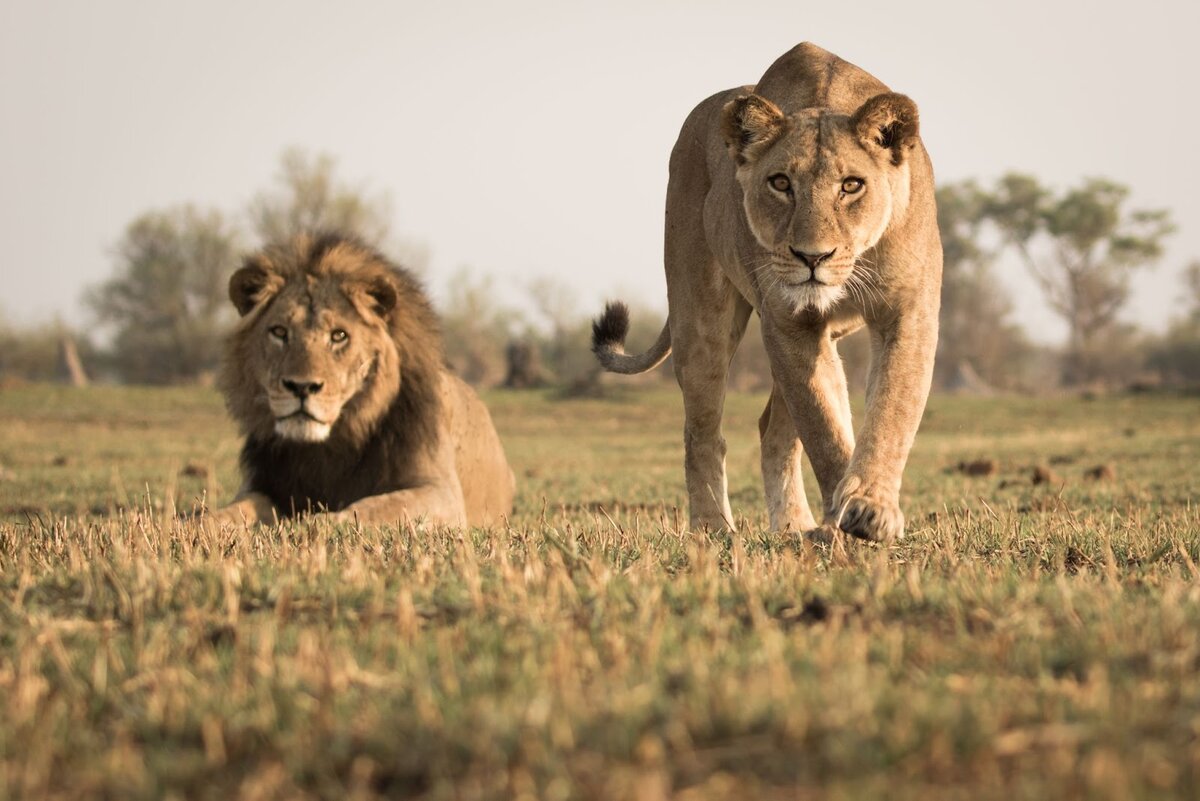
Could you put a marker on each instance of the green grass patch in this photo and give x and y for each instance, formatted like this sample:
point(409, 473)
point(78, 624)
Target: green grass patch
point(1024, 641)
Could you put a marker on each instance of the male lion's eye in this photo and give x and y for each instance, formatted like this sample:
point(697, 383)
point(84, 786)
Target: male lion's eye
point(338, 335)
point(780, 183)
point(279, 332)
point(852, 185)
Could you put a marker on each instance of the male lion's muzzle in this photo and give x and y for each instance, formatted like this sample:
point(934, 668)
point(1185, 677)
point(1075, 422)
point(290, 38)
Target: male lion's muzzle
point(300, 388)
point(299, 414)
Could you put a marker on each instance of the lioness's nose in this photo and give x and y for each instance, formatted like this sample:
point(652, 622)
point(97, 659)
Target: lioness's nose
point(812, 259)
point(302, 389)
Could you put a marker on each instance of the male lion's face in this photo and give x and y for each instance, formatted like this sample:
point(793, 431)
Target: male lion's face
point(819, 190)
point(317, 354)
point(318, 340)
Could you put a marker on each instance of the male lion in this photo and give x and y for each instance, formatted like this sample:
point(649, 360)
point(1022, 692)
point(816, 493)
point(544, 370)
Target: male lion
point(335, 376)
point(808, 198)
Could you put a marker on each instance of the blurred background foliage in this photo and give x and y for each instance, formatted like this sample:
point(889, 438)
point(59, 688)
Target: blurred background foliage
point(160, 317)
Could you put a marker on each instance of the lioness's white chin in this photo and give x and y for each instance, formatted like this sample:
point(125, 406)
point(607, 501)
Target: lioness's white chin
point(301, 428)
point(819, 297)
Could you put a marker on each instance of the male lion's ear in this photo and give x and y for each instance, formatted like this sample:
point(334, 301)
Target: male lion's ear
point(889, 121)
point(750, 123)
point(254, 284)
point(374, 295)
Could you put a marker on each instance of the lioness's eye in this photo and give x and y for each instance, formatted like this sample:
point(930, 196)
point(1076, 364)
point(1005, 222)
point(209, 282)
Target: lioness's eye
point(852, 185)
point(279, 332)
point(779, 182)
point(338, 335)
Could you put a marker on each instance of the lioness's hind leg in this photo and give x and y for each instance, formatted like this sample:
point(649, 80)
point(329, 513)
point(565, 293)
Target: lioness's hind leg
point(787, 505)
point(705, 339)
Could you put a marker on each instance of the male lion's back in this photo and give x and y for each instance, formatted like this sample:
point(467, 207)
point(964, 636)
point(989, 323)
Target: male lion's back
point(487, 481)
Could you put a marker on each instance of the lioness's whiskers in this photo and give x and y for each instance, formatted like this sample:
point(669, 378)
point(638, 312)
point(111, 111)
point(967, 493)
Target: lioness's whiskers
point(864, 282)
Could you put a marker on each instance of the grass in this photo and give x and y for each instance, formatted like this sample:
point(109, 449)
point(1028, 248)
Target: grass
point(1024, 641)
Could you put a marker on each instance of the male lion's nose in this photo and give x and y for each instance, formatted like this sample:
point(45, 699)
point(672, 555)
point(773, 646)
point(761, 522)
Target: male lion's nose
point(812, 259)
point(302, 389)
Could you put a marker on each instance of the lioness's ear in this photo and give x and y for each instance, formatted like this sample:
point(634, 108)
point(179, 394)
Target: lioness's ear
point(255, 283)
point(750, 124)
point(888, 121)
point(374, 295)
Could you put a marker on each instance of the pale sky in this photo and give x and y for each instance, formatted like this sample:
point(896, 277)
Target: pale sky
point(530, 138)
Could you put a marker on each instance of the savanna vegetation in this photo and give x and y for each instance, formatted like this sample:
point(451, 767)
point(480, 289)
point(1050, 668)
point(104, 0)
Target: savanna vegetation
point(160, 317)
point(1036, 635)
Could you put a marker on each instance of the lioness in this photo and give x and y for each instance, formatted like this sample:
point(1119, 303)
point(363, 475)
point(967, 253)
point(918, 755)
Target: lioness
point(335, 375)
point(808, 198)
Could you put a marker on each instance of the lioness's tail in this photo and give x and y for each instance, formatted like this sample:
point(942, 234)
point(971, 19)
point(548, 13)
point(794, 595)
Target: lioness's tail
point(608, 343)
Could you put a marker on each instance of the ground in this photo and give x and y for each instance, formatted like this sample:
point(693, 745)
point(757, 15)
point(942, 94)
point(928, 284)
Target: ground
point(1025, 641)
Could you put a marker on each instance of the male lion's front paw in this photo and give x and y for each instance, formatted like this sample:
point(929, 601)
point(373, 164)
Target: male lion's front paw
point(218, 520)
point(867, 514)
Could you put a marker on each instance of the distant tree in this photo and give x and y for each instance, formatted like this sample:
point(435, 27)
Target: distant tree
point(50, 352)
point(1177, 354)
point(307, 196)
point(524, 365)
point(166, 301)
point(1191, 296)
point(1081, 247)
point(542, 352)
point(563, 333)
point(555, 302)
point(977, 341)
point(476, 328)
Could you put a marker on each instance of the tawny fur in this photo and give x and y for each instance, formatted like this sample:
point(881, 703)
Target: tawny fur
point(764, 214)
point(405, 440)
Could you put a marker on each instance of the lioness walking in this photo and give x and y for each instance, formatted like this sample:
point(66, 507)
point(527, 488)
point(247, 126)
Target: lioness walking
point(810, 199)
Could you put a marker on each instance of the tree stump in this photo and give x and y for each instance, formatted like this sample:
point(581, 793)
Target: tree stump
point(524, 366)
point(70, 363)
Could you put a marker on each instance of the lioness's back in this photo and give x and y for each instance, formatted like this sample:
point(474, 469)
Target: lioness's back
point(808, 76)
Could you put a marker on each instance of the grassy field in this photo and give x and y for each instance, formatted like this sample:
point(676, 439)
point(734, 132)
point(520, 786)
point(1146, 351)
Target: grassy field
point(1026, 640)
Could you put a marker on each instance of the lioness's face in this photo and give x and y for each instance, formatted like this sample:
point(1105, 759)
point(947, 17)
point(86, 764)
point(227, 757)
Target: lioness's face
point(317, 342)
point(819, 190)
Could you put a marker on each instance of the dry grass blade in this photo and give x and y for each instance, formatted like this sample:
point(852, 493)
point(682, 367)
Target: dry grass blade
point(1023, 641)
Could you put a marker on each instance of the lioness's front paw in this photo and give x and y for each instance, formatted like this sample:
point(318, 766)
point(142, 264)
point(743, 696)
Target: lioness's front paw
point(867, 514)
point(824, 534)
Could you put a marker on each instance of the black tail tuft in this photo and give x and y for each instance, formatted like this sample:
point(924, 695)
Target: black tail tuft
point(610, 328)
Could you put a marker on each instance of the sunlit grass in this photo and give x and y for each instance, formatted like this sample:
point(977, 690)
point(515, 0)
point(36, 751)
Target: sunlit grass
point(1033, 641)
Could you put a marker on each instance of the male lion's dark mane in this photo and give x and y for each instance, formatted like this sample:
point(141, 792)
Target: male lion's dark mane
point(367, 453)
